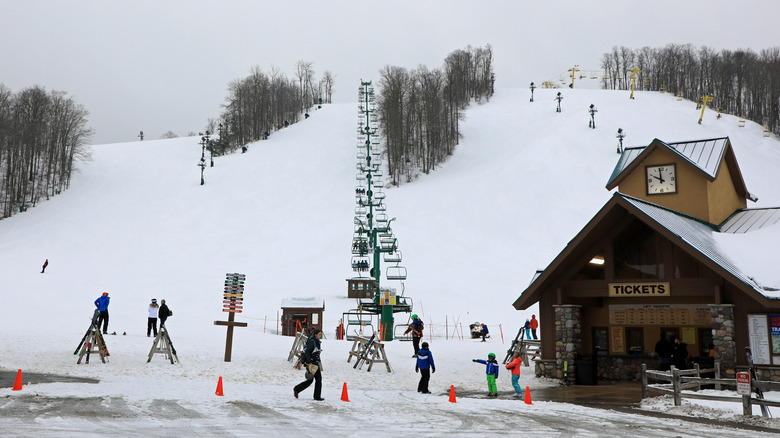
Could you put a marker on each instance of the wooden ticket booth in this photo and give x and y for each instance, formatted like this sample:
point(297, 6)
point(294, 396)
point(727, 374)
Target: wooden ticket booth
point(301, 314)
point(651, 264)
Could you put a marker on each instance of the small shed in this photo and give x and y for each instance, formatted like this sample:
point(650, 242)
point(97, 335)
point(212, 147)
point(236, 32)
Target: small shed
point(301, 313)
point(360, 287)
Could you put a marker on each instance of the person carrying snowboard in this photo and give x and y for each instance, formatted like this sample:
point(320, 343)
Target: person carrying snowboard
point(491, 371)
point(514, 365)
point(311, 360)
point(425, 367)
point(416, 327)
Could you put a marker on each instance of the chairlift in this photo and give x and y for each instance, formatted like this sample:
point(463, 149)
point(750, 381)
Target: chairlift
point(381, 217)
point(378, 183)
point(380, 207)
point(379, 195)
point(387, 243)
point(395, 273)
point(360, 264)
point(393, 257)
point(361, 211)
point(360, 176)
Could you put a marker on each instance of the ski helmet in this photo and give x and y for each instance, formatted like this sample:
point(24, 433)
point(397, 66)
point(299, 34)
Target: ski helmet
point(425, 345)
point(105, 293)
point(414, 316)
point(491, 355)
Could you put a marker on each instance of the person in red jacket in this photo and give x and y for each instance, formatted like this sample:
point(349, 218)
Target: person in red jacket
point(534, 325)
point(514, 366)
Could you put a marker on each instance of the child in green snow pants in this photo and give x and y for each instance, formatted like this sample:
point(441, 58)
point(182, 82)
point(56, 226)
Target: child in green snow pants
point(492, 388)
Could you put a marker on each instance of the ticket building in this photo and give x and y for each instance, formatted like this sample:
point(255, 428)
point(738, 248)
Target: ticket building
point(649, 264)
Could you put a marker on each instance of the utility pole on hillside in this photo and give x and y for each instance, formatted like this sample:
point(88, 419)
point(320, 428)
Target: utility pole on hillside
point(573, 71)
point(704, 101)
point(634, 71)
point(592, 111)
point(559, 98)
point(532, 87)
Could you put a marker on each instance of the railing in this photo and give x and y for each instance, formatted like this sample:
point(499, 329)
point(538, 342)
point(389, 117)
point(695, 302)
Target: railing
point(680, 380)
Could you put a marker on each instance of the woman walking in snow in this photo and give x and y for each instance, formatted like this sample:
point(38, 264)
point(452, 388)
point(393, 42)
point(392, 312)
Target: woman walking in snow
point(311, 360)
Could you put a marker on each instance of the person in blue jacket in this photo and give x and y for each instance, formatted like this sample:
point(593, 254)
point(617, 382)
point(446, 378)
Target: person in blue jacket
point(425, 367)
point(491, 371)
point(102, 305)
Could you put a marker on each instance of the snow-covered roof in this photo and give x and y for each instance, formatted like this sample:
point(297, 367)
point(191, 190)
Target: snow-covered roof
point(303, 303)
point(703, 237)
point(704, 154)
point(752, 219)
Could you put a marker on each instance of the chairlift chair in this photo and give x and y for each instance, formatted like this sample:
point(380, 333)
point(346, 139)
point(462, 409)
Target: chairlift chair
point(393, 257)
point(395, 273)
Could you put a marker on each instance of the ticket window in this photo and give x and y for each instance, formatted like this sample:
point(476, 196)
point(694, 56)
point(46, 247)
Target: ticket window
point(600, 341)
point(635, 341)
point(705, 341)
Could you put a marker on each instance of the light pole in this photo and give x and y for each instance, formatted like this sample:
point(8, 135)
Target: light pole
point(620, 135)
point(592, 111)
point(532, 87)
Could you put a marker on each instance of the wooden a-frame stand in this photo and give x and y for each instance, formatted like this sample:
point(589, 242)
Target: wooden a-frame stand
point(376, 353)
point(92, 342)
point(162, 344)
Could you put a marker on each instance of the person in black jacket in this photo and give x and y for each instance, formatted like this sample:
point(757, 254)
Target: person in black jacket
point(680, 354)
point(311, 360)
point(163, 313)
point(664, 350)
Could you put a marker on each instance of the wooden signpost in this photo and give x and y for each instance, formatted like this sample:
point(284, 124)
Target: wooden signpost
point(233, 302)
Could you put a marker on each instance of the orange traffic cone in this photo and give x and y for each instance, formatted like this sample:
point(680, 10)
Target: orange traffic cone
point(219, 387)
point(528, 396)
point(18, 382)
point(452, 394)
point(344, 395)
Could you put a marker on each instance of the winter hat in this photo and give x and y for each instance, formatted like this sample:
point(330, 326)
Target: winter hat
point(105, 293)
point(154, 300)
point(425, 345)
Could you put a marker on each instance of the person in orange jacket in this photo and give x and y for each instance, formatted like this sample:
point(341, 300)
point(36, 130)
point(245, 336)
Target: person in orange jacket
point(534, 325)
point(514, 366)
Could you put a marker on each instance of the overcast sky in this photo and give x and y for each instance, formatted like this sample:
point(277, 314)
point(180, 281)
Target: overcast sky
point(160, 65)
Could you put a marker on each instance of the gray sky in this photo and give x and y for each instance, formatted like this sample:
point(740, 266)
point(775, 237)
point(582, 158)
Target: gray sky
point(159, 65)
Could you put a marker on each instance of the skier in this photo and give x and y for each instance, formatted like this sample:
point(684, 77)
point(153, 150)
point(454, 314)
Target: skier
point(163, 313)
point(102, 305)
point(311, 361)
point(491, 371)
point(416, 327)
point(152, 322)
point(527, 327)
point(45, 264)
point(425, 367)
point(484, 332)
point(534, 325)
point(515, 367)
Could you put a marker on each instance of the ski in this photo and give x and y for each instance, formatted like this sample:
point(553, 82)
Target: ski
point(519, 339)
point(89, 348)
point(364, 354)
point(82, 341)
point(759, 392)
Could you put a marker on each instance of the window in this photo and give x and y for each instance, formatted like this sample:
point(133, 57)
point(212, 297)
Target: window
point(637, 253)
point(600, 341)
point(635, 341)
point(705, 341)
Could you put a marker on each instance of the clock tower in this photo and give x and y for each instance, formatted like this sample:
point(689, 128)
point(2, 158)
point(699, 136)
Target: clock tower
point(699, 178)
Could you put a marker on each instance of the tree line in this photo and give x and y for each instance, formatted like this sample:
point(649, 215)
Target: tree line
point(41, 134)
point(741, 82)
point(419, 110)
point(262, 102)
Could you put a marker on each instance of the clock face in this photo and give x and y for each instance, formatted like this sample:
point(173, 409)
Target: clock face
point(661, 179)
